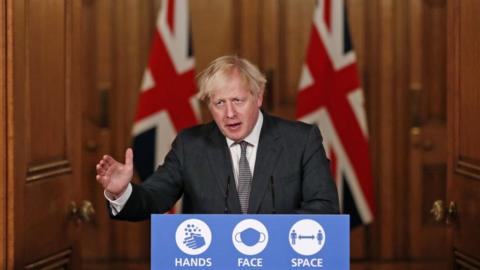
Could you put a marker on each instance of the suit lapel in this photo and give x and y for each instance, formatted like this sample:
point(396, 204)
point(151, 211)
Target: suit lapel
point(221, 166)
point(269, 150)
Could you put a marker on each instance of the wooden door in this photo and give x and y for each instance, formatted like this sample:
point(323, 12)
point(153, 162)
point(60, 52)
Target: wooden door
point(463, 187)
point(43, 115)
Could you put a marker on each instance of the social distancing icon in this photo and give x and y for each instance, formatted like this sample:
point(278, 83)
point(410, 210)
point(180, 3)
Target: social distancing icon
point(306, 237)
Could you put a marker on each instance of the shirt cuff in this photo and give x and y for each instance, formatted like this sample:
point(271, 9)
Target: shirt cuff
point(117, 205)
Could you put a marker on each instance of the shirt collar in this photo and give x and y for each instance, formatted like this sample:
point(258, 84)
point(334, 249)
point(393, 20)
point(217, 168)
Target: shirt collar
point(254, 136)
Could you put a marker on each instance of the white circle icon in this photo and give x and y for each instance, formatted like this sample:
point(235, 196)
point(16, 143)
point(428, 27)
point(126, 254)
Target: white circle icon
point(306, 237)
point(193, 236)
point(250, 237)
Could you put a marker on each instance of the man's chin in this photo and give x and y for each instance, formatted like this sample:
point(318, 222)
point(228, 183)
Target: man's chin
point(234, 137)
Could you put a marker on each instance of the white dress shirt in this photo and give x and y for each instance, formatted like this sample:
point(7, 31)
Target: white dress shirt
point(253, 138)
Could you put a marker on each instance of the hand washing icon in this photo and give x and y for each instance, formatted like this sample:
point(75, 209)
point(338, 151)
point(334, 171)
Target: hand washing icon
point(250, 237)
point(193, 236)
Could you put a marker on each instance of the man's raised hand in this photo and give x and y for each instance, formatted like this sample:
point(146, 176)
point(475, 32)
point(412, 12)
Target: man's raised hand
point(115, 176)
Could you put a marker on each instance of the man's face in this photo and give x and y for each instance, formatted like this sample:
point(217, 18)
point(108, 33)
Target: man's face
point(234, 108)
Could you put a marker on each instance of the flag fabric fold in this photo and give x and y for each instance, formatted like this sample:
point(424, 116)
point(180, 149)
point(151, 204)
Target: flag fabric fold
point(167, 102)
point(330, 96)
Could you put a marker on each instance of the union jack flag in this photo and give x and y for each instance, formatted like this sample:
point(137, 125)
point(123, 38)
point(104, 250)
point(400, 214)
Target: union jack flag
point(167, 100)
point(330, 96)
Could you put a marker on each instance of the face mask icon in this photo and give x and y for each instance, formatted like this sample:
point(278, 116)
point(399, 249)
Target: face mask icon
point(250, 237)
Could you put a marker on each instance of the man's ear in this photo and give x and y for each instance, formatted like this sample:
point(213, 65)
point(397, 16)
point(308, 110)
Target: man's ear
point(260, 100)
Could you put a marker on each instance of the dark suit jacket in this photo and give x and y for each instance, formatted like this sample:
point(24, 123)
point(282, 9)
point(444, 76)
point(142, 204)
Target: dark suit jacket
point(291, 174)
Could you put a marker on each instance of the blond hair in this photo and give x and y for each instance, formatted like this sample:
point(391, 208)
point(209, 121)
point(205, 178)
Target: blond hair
point(220, 70)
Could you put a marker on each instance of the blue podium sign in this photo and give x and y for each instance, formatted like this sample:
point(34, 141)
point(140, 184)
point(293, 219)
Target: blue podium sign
point(272, 242)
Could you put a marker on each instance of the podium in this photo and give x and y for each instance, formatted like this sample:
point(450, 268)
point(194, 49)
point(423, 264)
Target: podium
point(228, 242)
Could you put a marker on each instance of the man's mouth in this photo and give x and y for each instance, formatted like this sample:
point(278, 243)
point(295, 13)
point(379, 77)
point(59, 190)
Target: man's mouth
point(233, 126)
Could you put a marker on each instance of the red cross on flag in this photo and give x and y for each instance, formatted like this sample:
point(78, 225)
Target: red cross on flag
point(167, 100)
point(330, 95)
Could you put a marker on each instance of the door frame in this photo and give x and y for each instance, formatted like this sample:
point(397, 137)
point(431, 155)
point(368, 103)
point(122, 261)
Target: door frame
point(3, 137)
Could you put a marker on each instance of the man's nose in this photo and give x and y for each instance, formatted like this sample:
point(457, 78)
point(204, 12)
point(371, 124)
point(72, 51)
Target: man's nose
point(231, 113)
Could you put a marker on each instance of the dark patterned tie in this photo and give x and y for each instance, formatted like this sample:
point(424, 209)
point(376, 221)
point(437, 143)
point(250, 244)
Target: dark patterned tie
point(244, 178)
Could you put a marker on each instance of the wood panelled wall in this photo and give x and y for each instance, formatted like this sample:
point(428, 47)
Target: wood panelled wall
point(390, 41)
point(117, 37)
point(386, 94)
point(428, 133)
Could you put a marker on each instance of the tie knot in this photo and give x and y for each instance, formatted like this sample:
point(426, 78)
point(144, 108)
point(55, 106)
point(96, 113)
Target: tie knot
point(243, 145)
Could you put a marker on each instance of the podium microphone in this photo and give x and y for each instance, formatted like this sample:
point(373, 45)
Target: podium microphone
point(274, 211)
point(227, 210)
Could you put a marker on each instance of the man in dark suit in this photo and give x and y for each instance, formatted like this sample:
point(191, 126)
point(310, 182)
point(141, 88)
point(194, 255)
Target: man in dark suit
point(245, 161)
